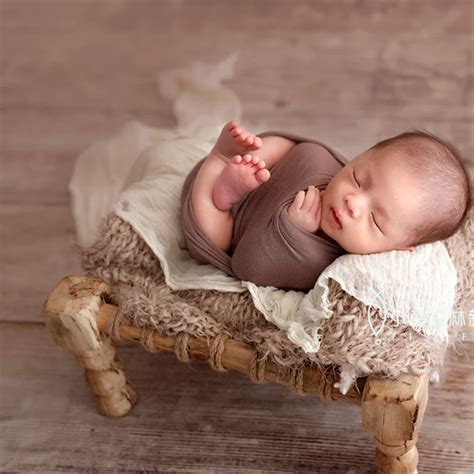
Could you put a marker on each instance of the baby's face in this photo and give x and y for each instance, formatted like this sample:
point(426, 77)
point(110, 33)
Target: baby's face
point(376, 200)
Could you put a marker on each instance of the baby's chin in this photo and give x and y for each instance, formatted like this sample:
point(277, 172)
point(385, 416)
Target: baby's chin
point(327, 231)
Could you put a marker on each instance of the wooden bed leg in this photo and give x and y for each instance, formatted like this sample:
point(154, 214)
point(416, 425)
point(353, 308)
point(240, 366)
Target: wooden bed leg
point(70, 312)
point(393, 411)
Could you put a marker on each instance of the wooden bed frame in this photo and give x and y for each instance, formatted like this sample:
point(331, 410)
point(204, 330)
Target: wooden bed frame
point(79, 318)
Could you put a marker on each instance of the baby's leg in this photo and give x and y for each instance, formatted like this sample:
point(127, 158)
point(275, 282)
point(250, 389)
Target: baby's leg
point(223, 181)
point(218, 223)
point(273, 149)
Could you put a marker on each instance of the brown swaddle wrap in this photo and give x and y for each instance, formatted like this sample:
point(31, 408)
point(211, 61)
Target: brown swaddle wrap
point(267, 248)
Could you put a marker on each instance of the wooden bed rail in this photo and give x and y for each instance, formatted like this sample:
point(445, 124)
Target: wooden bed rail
point(236, 356)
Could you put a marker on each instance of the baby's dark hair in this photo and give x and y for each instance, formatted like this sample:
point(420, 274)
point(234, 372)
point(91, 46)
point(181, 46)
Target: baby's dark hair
point(443, 177)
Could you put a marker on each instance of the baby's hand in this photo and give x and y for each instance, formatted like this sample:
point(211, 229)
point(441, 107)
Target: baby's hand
point(305, 211)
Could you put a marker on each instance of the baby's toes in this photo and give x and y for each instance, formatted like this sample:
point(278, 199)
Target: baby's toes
point(241, 138)
point(231, 125)
point(257, 142)
point(258, 163)
point(236, 159)
point(247, 158)
point(249, 140)
point(262, 175)
point(255, 160)
point(236, 131)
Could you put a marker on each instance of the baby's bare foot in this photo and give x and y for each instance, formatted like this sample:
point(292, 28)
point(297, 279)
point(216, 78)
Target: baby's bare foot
point(241, 175)
point(234, 140)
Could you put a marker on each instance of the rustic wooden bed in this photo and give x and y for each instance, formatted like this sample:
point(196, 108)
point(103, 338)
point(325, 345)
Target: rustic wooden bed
point(78, 314)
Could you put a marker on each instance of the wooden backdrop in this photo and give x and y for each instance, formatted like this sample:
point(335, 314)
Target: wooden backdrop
point(72, 72)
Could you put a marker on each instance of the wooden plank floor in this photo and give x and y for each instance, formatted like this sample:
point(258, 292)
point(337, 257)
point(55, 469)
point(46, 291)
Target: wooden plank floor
point(192, 419)
point(349, 72)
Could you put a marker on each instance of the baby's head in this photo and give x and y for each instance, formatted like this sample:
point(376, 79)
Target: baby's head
point(404, 191)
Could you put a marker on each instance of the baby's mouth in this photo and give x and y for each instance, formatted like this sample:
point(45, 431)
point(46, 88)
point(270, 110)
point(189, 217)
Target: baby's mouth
point(335, 218)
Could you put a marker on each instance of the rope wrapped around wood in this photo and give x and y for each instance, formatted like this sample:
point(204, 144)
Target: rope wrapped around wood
point(292, 376)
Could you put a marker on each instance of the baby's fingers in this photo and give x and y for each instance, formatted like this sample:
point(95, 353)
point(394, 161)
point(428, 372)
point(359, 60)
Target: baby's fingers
point(318, 217)
point(316, 202)
point(298, 201)
point(312, 195)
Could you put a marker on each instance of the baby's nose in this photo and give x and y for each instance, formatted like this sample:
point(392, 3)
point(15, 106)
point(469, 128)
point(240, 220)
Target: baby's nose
point(355, 205)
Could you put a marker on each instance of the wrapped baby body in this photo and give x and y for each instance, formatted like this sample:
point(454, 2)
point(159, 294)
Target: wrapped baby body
point(267, 248)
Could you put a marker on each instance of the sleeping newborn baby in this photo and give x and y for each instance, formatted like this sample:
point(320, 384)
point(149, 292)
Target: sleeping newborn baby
point(276, 209)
